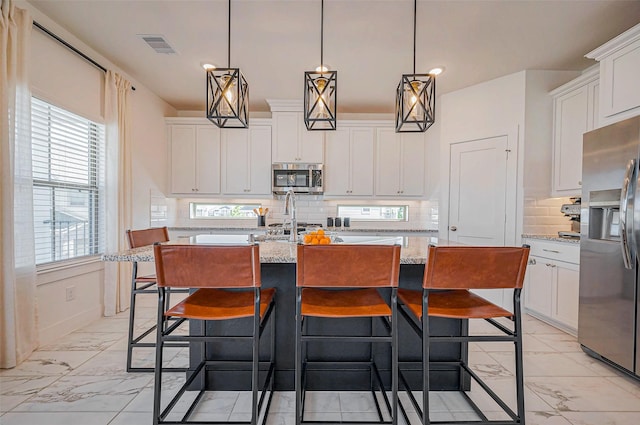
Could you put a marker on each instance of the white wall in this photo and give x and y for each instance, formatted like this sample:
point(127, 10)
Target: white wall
point(149, 151)
point(484, 110)
point(517, 105)
point(56, 316)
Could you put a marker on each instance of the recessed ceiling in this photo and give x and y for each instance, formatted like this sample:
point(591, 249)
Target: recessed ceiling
point(369, 42)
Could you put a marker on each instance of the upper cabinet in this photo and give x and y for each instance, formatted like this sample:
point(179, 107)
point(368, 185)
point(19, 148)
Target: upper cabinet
point(292, 142)
point(575, 111)
point(348, 168)
point(194, 159)
point(400, 163)
point(205, 160)
point(246, 161)
point(619, 69)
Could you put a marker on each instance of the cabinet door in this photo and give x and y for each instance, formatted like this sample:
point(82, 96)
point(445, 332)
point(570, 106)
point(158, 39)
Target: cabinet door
point(235, 149)
point(566, 299)
point(387, 163)
point(593, 106)
point(285, 136)
point(619, 78)
point(337, 168)
point(538, 286)
point(571, 122)
point(311, 146)
point(412, 164)
point(260, 160)
point(207, 160)
point(183, 153)
point(361, 154)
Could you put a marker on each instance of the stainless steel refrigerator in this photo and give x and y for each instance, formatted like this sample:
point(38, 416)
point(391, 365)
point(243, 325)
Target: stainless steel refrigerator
point(609, 314)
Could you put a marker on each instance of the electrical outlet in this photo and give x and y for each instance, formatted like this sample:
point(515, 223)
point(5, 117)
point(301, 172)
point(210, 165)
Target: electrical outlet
point(71, 293)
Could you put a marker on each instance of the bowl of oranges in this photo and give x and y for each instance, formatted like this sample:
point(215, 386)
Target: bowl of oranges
point(317, 237)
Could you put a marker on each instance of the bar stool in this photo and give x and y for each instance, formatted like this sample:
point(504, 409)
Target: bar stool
point(452, 271)
point(143, 285)
point(228, 288)
point(340, 282)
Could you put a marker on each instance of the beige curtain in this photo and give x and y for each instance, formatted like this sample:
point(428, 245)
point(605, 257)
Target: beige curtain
point(18, 327)
point(118, 206)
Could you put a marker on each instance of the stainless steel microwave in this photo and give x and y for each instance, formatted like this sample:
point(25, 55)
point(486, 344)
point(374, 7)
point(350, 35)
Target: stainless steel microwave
point(301, 177)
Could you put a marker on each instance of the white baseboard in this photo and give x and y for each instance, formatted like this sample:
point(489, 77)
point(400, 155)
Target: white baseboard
point(52, 332)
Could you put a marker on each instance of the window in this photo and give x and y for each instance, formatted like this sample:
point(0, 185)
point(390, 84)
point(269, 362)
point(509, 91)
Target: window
point(201, 210)
point(374, 212)
point(68, 170)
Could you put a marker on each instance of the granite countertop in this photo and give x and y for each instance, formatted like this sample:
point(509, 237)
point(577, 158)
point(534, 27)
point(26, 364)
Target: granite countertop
point(414, 249)
point(553, 238)
point(258, 229)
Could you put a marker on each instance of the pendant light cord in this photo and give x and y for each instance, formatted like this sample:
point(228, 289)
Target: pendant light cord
point(321, 35)
point(229, 39)
point(415, 8)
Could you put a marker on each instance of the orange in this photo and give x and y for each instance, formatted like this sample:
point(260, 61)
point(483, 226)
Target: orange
point(325, 241)
point(307, 238)
point(315, 241)
point(320, 232)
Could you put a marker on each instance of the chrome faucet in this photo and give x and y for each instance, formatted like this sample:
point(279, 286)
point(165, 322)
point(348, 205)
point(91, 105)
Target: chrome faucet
point(290, 209)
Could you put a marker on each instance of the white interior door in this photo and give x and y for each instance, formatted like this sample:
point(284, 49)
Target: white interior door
point(478, 191)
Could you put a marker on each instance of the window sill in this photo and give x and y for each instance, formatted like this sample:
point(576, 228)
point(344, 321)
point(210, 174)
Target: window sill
point(64, 269)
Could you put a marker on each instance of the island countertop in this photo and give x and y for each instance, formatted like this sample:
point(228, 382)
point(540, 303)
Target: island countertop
point(414, 248)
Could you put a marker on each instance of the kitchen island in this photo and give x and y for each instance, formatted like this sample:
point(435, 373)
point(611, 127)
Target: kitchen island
point(278, 261)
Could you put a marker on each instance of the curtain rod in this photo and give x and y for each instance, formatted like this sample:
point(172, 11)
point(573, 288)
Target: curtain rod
point(70, 47)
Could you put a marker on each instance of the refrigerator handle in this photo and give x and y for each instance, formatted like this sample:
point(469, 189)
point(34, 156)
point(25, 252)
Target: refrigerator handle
point(624, 203)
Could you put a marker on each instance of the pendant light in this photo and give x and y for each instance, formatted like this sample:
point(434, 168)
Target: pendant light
point(415, 96)
point(320, 91)
point(227, 93)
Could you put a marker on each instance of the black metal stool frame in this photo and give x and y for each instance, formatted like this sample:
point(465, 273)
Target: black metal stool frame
point(514, 336)
point(138, 287)
point(302, 338)
point(144, 285)
point(164, 334)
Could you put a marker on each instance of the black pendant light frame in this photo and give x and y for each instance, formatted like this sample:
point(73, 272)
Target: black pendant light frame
point(320, 92)
point(227, 93)
point(415, 96)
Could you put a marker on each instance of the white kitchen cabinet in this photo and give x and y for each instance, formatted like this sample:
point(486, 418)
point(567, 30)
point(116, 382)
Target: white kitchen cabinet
point(575, 111)
point(292, 142)
point(400, 163)
point(619, 69)
point(246, 161)
point(194, 159)
point(551, 288)
point(348, 168)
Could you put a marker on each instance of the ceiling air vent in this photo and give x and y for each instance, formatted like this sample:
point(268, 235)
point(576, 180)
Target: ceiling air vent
point(157, 43)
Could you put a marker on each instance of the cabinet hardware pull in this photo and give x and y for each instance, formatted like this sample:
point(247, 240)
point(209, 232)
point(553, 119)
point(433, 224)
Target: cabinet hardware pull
point(532, 262)
point(453, 228)
point(551, 250)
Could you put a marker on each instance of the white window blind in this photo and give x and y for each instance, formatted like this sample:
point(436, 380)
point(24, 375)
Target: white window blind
point(68, 177)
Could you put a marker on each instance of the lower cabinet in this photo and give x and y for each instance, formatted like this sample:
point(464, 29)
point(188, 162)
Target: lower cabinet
point(552, 283)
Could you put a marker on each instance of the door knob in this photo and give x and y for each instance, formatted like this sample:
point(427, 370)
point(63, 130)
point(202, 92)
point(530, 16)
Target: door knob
point(453, 228)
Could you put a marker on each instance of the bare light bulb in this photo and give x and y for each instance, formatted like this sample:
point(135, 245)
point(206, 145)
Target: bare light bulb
point(411, 100)
point(321, 84)
point(228, 89)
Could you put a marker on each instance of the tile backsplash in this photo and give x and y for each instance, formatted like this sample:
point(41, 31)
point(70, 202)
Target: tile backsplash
point(310, 209)
point(543, 216)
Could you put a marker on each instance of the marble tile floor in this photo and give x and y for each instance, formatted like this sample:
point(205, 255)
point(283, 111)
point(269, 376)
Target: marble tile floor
point(80, 379)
